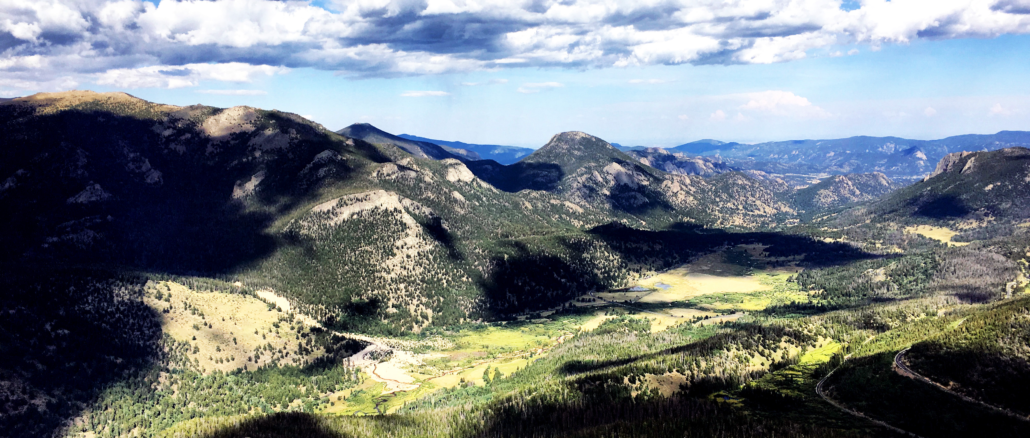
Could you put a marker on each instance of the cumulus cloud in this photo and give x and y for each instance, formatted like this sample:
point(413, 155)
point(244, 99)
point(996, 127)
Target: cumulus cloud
point(189, 75)
point(782, 103)
point(425, 93)
point(998, 110)
point(929, 112)
point(717, 116)
point(377, 38)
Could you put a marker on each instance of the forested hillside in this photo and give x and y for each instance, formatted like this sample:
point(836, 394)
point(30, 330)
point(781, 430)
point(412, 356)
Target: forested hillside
point(198, 271)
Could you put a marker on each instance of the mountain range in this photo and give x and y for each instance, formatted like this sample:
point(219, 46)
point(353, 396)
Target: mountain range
point(498, 153)
point(801, 161)
point(201, 271)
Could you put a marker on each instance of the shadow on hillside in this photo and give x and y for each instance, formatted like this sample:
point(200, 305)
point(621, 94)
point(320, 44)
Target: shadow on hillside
point(554, 271)
point(978, 369)
point(943, 207)
point(870, 385)
point(638, 200)
point(607, 411)
point(279, 425)
point(532, 279)
point(169, 202)
point(434, 228)
point(699, 348)
point(519, 176)
point(65, 337)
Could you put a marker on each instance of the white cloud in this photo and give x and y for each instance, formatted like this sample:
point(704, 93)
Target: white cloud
point(782, 103)
point(683, 117)
point(998, 110)
point(424, 93)
point(22, 62)
point(235, 92)
point(929, 112)
point(717, 116)
point(188, 75)
point(538, 87)
point(403, 37)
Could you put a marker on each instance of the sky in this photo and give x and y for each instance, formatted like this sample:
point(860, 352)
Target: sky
point(516, 72)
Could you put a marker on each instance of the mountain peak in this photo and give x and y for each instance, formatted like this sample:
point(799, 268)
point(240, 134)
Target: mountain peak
point(572, 146)
point(421, 149)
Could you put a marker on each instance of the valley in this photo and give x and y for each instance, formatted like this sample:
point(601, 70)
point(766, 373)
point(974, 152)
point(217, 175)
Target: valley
point(209, 272)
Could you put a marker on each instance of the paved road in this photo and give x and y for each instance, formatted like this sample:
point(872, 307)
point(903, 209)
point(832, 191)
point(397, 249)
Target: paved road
point(904, 370)
point(819, 390)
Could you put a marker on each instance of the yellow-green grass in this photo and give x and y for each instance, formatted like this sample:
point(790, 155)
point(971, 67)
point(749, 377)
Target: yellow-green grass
point(498, 339)
point(777, 291)
point(338, 403)
point(623, 296)
point(684, 287)
point(721, 319)
point(667, 384)
point(359, 401)
point(661, 321)
point(937, 233)
point(595, 321)
point(231, 316)
point(820, 355)
point(475, 374)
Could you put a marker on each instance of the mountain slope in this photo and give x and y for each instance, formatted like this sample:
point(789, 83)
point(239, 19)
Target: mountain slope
point(501, 154)
point(421, 149)
point(970, 185)
point(840, 190)
point(362, 236)
point(676, 162)
point(590, 173)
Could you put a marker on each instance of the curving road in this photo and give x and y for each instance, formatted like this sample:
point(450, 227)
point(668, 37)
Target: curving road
point(819, 390)
point(904, 370)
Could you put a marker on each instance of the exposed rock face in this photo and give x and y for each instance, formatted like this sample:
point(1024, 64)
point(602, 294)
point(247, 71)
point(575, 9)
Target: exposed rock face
point(980, 187)
point(841, 190)
point(948, 163)
point(456, 171)
point(236, 119)
point(93, 193)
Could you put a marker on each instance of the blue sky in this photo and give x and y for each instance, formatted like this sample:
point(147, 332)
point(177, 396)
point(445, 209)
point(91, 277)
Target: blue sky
point(656, 73)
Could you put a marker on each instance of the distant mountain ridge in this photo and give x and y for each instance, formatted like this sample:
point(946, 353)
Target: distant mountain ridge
point(421, 149)
point(700, 147)
point(498, 153)
point(896, 157)
point(590, 173)
point(676, 162)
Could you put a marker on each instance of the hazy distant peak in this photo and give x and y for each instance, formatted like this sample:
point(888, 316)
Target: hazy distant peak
point(421, 149)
